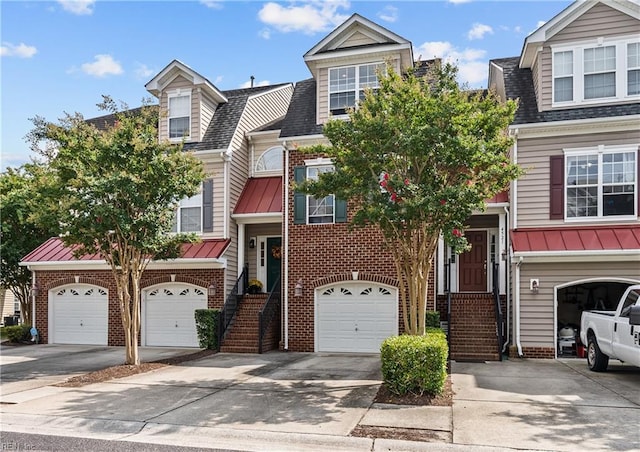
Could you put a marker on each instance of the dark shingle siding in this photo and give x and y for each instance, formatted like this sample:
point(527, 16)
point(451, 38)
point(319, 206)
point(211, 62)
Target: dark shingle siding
point(518, 84)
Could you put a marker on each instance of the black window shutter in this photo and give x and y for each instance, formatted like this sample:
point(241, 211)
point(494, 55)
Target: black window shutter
point(299, 199)
point(556, 189)
point(207, 205)
point(341, 211)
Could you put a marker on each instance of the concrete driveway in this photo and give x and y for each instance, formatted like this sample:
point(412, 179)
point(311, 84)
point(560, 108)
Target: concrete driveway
point(305, 401)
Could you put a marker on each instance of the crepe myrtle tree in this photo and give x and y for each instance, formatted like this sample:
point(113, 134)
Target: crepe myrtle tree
point(114, 192)
point(416, 158)
point(20, 232)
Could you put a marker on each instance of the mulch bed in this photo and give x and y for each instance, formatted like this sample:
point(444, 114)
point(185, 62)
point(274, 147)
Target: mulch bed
point(444, 399)
point(126, 370)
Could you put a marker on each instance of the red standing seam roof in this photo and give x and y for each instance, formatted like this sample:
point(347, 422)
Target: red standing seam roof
point(53, 250)
point(584, 238)
point(261, 195)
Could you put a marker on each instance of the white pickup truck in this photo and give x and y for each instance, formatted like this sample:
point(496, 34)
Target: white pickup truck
point(613, 334)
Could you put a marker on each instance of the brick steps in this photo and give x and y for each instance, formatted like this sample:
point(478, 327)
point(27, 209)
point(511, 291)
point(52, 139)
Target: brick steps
point(243, 334)
point(473, 328)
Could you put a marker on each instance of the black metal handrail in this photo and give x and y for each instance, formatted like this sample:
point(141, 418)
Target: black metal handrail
point(498, 308)
point(268, 312)
point(232, 304)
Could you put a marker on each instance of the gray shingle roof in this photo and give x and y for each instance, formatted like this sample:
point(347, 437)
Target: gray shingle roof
point(518, 84)
point(300, 119)
point(301, 116)
point(226, 118)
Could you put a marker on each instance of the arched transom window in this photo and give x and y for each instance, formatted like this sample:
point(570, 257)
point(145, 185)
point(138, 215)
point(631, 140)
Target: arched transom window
point(270, 160)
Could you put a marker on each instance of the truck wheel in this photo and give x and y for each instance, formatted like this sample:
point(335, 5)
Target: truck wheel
point(596, 360)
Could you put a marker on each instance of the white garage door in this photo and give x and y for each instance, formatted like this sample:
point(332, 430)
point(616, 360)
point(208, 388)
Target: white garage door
point(169, 319)
point(355, 317)
point(79, 315)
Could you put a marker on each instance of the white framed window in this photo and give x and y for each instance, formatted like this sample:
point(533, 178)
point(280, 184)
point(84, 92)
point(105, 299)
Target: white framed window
point(595, 72)
point(633, 68)
point(270, 160)
point(601, 183)
point(188, 216)
point(563, 76)
point(179, 118)
point(347, 85)
point(320, 210)
point(599, 72)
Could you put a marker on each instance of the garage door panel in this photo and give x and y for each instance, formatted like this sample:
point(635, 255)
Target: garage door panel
point(170, 316)
point(355, 317)
point(80, 315)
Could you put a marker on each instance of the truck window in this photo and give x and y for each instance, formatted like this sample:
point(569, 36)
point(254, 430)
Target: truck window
point(631, 299)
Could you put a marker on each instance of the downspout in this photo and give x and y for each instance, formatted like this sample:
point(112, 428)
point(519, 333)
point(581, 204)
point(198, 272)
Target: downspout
point(507, 257)
point(225, 158)
point(286, 245)
point(33, 297)
point(514, 192)
point(516, 319)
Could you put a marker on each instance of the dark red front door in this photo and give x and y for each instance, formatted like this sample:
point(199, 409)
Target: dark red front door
point(473, 263)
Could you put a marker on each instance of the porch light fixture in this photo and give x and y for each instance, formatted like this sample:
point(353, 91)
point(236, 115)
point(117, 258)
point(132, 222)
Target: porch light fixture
point(534, 285)
point(212, 290)
point(252, 242)
point(298, 289)
point(35, 290)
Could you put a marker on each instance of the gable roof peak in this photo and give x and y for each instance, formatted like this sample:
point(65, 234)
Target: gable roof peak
point(175, 68)
point(566, 17)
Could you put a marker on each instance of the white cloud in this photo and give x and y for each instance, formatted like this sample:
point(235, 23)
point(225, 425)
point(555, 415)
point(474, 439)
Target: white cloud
point(142, 71)
point(517, 29)
point(265, 33)
point(211, 4)
point(102, 66)
point(247, 84)
point(79, 7)
point(540, 23)
point(309, 17)
point(457, 2)
point(478, 31)
point(389, 13)
point(472, 63)
point(21, 50)
point(218, 79)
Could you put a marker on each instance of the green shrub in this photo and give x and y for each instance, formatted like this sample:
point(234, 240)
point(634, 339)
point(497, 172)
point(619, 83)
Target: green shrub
point(415, 364)
point(433, 319)
point(207, 327)
point(18, 333)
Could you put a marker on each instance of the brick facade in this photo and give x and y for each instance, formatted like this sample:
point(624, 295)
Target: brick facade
point(322, 254)
point(49, 280)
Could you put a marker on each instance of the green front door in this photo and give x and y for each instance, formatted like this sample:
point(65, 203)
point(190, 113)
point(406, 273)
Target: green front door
point(274, 261)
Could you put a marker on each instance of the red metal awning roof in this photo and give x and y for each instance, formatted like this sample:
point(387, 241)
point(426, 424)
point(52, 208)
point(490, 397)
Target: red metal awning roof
point(584, 238)
point(53, 250)
point(261, 195)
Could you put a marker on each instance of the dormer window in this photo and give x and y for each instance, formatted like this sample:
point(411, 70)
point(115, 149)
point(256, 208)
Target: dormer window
point(179, 115)
point(594, 73)
point(347, 85)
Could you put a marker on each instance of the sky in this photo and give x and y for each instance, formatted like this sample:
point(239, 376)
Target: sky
point(62, 56)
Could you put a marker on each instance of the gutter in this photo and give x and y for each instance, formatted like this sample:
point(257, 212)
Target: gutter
point(516, 319)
